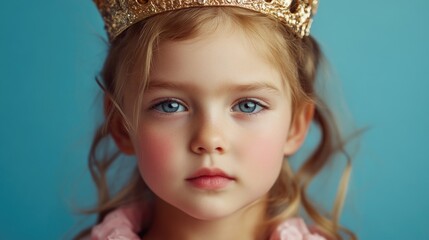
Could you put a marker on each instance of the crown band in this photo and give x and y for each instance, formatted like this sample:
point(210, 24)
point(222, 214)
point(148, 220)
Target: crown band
point(118, 15)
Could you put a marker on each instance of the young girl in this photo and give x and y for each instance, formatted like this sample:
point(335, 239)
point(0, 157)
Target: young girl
point(211, 97)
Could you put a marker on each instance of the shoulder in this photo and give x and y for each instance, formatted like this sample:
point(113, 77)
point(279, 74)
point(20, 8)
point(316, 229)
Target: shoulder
point(294, 229)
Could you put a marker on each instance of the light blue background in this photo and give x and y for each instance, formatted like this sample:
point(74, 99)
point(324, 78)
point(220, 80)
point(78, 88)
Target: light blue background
point(50, 52)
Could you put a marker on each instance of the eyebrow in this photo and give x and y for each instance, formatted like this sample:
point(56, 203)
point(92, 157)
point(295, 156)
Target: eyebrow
point(161, 84)
point(255, 86)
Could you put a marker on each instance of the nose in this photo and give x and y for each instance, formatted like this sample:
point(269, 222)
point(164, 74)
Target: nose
point(209, 137)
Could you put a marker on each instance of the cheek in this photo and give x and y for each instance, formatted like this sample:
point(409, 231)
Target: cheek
point(155, 150)
point(265, 152)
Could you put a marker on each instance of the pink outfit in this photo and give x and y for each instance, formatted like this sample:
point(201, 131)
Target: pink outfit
point(123, 224)
point(294, 229)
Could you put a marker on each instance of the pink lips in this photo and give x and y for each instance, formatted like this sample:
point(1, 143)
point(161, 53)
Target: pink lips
point(210, 179)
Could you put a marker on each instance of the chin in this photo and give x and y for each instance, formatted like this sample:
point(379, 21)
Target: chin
point(215, 210)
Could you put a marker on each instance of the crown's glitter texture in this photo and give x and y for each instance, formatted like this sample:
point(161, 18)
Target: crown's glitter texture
point(118, 15)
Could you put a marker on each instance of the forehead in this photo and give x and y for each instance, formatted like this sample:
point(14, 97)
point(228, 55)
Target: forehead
point(223, 56)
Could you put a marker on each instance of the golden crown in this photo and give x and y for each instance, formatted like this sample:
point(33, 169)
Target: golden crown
point(118, 15)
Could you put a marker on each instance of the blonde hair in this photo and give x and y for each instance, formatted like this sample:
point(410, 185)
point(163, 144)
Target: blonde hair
point(297, 59)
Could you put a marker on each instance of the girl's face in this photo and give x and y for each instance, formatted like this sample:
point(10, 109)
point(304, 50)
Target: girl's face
point(215, 125)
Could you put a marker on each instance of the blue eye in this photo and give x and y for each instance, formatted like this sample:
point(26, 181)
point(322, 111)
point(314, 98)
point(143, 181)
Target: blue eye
point(170, 106)
point(248, 106)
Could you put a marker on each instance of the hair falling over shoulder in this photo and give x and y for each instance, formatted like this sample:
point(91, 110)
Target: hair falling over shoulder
point(299, 60)
point(295, 184)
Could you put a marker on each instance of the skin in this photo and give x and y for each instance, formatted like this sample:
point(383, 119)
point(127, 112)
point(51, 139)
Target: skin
point(212, 102)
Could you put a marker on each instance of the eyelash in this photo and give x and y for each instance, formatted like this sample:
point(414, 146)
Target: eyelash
point(257, 105)
point(161, 108)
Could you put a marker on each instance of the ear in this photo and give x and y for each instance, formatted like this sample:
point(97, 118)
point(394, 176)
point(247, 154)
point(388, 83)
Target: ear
point(117, 128)
point(299, 129)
